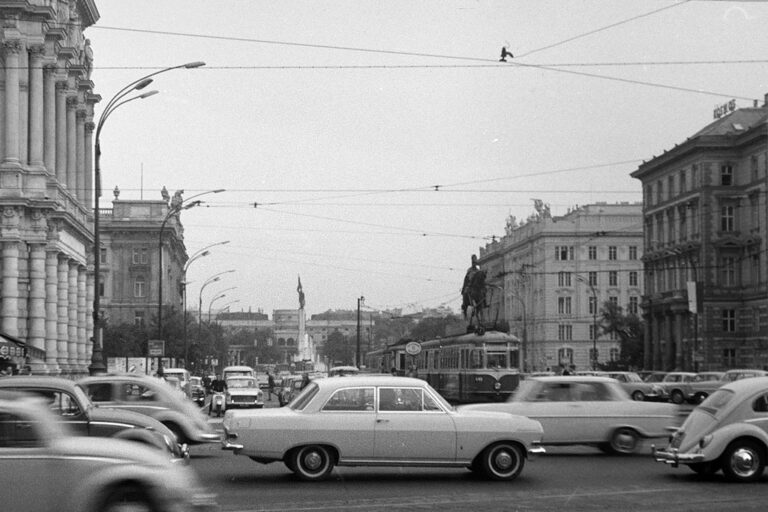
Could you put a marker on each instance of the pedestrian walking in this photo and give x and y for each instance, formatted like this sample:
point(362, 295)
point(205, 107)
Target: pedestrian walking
point(270, 385)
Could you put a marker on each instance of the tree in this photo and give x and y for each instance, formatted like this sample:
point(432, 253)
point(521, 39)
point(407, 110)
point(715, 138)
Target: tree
point(437, 327)
point(338, 348)
point(629, 329)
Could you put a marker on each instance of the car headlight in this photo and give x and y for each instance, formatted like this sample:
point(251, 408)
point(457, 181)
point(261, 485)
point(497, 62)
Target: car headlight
point(497, 386)
point(704, 441)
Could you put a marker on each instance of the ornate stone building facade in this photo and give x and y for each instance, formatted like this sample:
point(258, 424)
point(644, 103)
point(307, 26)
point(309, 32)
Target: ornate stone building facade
point(46, 115)
point(552, 274)
point(705, 215)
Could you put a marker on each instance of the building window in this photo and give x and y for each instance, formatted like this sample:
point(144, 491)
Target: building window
point(729, 320)
point(140, 256)
point(728, 271)
point(613, 278)
point(592, 276)
point(726, 175)
point(632, 252)
point(565, 332)
point(564, 305)
point(594, 331)
point(726, 218)
point(671, 186)
point(683, 185)
point(139, 287)
point(592, 301)
point(592, 252)
point(101, 287)
point(103, 256)
point(565, 356)
point(633, 278)
point(138, 318)
point(659, 191)
point(612, 252)
point(729, 357)
point(593, 354)
point(564, 279)
point(614, 354)
point(613, 300)
point(681, 225)
point(563, 252)
point(633, 306)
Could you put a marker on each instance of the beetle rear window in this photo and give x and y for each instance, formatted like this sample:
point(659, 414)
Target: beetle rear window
point(717, 401)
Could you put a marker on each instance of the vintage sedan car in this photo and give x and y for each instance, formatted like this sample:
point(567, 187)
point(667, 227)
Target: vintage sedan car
point(290, 386)
point(587, 410)
point(637, 388)
point(44, 468)
point(243, 392)
point(728, 432)
point(71, 405)
point(152, 397)
point(677, 386)
point(380, 420)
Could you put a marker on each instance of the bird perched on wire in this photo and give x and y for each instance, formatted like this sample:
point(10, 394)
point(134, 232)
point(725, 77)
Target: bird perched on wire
point(504, 54)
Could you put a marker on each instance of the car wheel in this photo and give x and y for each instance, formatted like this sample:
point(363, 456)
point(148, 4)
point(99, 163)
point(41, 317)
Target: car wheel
point(638, 395)
point(699, 397)
point(705, 468)
point(677, 397)
point(502, 461)
point(127, 498)
point(624, 441)
point(312, 462)
point(743, 461)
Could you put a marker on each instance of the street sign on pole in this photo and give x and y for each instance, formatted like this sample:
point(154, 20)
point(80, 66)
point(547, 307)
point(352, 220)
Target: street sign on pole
point(156, 348)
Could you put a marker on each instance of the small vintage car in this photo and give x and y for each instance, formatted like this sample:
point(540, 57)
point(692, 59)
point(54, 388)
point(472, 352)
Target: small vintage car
point(152, 397)
point(587, 410)
point(701, 389)
point(728, 432)
point(380, 420)
point(243, 392)
point(637, 388)
point(677, 386)
point(44, 468)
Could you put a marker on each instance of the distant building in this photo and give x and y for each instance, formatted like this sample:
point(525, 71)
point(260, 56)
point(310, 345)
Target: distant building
point(46, 182)
point(130, 240)
point(705, 217)
point(549, 277)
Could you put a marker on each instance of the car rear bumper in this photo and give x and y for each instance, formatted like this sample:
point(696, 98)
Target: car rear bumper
point(674, 458)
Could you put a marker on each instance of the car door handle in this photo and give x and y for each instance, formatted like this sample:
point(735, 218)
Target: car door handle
point(382, 421)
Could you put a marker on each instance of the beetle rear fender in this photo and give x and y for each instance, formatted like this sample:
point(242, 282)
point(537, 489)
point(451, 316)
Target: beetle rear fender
point(723, 437)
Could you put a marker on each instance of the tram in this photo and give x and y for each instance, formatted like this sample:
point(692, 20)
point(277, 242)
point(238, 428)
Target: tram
point(464, 368)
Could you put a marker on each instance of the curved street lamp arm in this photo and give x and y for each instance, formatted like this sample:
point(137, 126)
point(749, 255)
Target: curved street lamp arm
point(208, 247)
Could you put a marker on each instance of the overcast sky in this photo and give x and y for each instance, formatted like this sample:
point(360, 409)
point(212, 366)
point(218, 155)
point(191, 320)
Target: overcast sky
point(384, 142)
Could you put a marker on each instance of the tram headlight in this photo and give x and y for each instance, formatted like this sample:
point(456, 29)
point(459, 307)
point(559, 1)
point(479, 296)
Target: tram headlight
point(497, 386)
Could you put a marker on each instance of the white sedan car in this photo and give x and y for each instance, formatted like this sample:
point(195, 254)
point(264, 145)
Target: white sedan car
point(587, 410)
point(380, 420)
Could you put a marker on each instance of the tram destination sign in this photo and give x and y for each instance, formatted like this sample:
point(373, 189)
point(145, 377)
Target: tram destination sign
point(413, 348)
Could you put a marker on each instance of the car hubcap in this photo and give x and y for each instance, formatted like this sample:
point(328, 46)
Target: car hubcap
point(503, 460)
point(744, 462)
point(625, 441)
point(313, 461)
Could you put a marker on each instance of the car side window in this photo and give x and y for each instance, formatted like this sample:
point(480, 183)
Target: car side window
point(554, 392)
point(100, 392)
point(60, 403)
point(137, 393)
point(404, 399)
point(350, 399)
point(17, 432)
point(760, 404)
point(591, 392)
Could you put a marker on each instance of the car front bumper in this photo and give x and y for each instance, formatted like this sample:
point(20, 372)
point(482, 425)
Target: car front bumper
point(535, 451)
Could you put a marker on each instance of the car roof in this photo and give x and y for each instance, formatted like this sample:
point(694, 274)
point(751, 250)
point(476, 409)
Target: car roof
point(573, 378)
point(369, 380)
point(751, 385)
point(36, 381)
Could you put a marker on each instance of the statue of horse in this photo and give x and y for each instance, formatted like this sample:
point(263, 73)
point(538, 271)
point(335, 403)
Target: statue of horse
point(475, 300)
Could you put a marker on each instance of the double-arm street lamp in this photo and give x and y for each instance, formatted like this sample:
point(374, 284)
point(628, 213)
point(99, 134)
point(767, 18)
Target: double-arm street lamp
point(221, 295)
point(212, 279)
point(594, 318)
point(97, 358)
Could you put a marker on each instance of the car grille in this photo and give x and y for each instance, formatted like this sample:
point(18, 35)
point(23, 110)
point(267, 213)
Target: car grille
point(243, 399)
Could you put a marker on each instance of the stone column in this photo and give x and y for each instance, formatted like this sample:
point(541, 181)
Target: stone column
point(656, 329)
point(82, 310)
point(12, 48)
point(72, 145)
point(82, 192)
point(61, 132)
point(88, 199)
point(24, 105)
point(51, 311)
point(647, 342)
point(669, 353)
point(63, 316)
point(72, 323)
point(679, 352)
point(36, 104)
point(10, 288)
point(36, 335)
point(49, 118)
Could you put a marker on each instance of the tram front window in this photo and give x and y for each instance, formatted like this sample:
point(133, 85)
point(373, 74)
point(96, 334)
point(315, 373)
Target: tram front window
point(497, 361)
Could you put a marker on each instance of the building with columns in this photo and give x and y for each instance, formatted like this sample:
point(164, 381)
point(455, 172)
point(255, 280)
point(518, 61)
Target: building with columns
point(46, 169)
point(550, 275)
point(705, 215)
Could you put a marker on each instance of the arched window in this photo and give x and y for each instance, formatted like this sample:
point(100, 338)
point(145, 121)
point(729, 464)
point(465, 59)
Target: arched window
point(281, 342)
point(291, 342)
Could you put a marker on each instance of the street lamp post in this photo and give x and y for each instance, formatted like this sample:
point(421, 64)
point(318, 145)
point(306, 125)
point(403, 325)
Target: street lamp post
point(358, 363)
point(97, 358)
point(208, 281)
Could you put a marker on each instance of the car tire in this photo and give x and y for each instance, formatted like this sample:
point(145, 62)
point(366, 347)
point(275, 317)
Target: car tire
point(127, 497)
point(624, 441)
point(743, 461)
point(699, 397)
point(311, 463)
point(677, 397)
point(638, 396)
point(502, 461)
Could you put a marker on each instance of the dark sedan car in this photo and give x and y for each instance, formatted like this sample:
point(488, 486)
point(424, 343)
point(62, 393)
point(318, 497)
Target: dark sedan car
point(72, 406)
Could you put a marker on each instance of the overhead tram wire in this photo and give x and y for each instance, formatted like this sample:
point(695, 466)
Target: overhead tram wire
point(511, 64)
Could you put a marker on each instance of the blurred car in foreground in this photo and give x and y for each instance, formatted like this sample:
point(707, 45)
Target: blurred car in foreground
point(71, 405)
point(728, 432)
point(243, 392)
point(637, 388)
point(43, 468)
point(380, 421)
point(587, 410)
point(152, 397)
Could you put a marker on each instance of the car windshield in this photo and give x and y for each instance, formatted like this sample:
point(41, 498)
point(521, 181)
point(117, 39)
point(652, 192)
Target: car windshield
point(717, 401)
point(633, 377)
point(82, 397)
point(241, 383)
